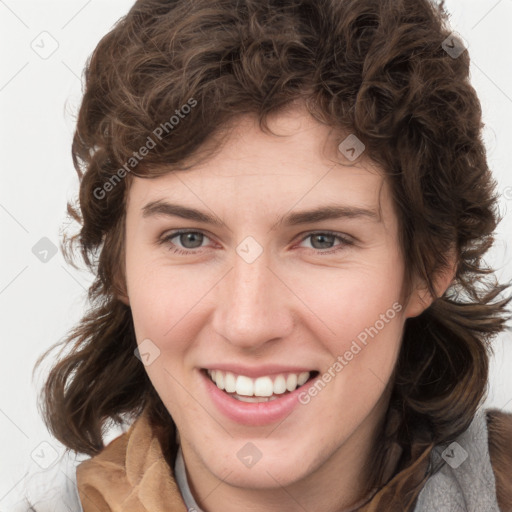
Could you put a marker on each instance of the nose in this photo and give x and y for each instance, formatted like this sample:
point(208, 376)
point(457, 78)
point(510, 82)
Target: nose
point(253, 306)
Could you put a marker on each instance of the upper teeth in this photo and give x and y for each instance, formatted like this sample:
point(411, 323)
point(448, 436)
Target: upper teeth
point(262, 386)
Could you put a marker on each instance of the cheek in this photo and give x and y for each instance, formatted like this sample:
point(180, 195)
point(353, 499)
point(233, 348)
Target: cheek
point(166, 309)
point(351, 301)
point(164, 297)
point(170, 308)
point(359, 321)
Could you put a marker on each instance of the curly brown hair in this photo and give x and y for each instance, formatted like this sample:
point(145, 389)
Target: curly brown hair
point(374, 68)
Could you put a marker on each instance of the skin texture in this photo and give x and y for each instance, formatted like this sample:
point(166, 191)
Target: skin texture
point(293, 305)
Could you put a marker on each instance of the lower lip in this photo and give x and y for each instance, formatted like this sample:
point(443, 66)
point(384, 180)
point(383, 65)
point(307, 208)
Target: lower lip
point(251, 413)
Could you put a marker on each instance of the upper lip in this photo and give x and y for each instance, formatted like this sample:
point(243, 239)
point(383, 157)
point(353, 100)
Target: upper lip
point(259, 371)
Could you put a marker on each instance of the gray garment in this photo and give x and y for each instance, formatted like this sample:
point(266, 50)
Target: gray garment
point(464, 483)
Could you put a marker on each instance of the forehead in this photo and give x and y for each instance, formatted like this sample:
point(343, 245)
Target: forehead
point(298, 163)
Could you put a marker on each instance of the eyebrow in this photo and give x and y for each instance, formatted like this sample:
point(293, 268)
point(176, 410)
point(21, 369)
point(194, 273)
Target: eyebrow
point(328, 212)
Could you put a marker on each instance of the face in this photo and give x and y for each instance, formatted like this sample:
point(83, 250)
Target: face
point(260, 295)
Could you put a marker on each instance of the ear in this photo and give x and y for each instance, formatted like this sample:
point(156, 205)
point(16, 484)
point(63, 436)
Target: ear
point(420, 298)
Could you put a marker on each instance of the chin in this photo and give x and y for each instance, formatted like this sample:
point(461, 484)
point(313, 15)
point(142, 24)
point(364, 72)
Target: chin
point(263, 475)
point(273, 470)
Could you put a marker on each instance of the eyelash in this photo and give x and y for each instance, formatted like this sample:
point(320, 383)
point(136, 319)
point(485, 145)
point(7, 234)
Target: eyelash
point(167, 240)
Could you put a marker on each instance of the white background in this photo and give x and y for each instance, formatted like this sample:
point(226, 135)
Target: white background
point(39, 97)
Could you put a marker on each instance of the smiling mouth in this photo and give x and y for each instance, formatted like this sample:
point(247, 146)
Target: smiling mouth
point(261, 389)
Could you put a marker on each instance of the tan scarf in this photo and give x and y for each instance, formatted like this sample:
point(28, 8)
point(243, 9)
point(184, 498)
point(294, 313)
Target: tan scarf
point(132, 475)
point(129, 475)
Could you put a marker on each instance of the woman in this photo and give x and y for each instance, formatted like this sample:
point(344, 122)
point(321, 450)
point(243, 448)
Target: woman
point(290, 203)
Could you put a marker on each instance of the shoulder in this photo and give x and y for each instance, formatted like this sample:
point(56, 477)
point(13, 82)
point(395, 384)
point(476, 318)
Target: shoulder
point(499, 427)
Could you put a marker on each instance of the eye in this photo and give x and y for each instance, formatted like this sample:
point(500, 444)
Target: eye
point(189, 240)
point(325, 239)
